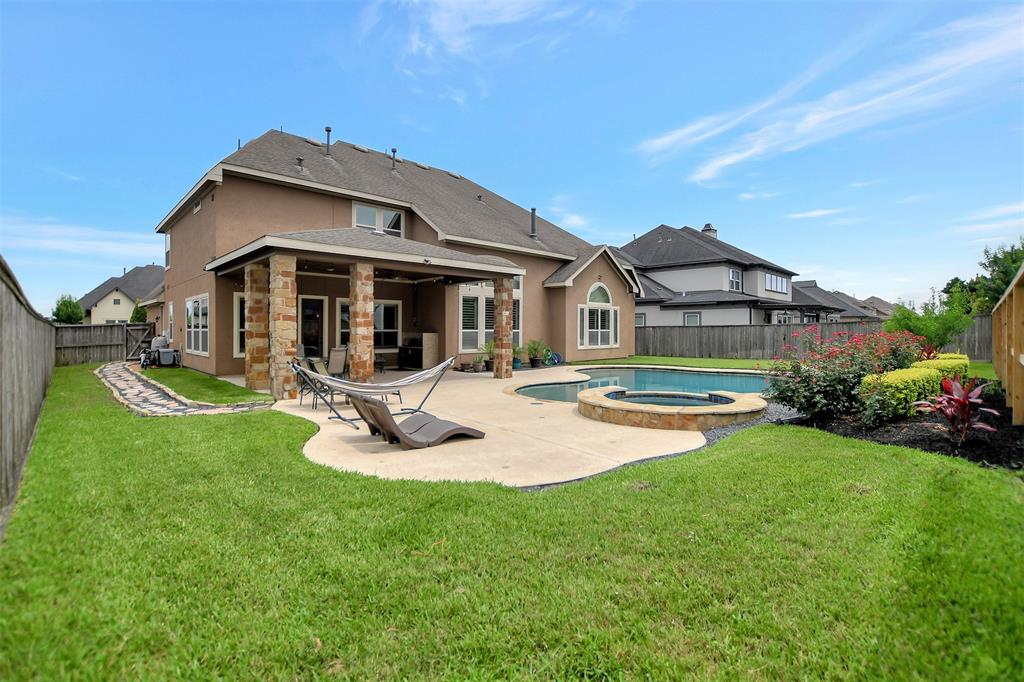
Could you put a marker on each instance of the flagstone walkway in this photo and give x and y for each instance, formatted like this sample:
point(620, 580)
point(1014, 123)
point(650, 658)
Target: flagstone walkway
point(150, 399)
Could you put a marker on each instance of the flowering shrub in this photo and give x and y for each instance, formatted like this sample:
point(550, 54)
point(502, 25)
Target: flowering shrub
point(821, 376)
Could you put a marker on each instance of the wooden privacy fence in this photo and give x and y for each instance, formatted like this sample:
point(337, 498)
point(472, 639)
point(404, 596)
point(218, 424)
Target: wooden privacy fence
point(87, 343)
point(26, 367)
point(763, 342)
point(1008, 344)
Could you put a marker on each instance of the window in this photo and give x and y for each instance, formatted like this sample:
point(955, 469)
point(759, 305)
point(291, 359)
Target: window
point(238, 314)
point(197, 207)
point(784, 318)
point(735, 280)
point(476, 317)
point(640, 320)
point(691, 319)
point(776, 283)
point(167, 250)
point(117, 301)
point(197, 325)
point(387, 324)
point(384, 220)
point(598, 321)
point(170, 321)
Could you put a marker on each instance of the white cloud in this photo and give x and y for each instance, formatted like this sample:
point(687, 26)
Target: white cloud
point(816, 213)
point(864, 183)
point(21, 233)
point(964, 57)
point(573, 220)
point(997, 211)
point(564, 216)
point(62, 174)
point(749, 196)
point(1012, 224)
point(913, 198)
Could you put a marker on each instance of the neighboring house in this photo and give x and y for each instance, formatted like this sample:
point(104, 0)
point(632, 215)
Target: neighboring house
point(292, 243)
point(690, 277)
point(845, 308)
point(877, 308)
point(114, 300)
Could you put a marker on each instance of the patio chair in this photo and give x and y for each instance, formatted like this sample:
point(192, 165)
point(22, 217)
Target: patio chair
point(337, 362)
point(325, 392)
point(349, 388)
point(412, 437)
point(410, 423)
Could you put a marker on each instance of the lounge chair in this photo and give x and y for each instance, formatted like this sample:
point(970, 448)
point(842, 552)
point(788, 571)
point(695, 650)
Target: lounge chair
point(412, 436)
point(410, 423)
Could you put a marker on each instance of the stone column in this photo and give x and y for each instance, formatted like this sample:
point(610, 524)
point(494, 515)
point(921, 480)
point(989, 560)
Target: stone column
point(503, 328)
point(257, 327)
point(360, 322)
point(283, 326)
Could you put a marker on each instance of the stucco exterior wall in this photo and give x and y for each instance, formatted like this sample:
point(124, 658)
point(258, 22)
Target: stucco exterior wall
point(755, 280)
point(106, 310)
point(708, 278)
point(709, 315)
point(601, 270)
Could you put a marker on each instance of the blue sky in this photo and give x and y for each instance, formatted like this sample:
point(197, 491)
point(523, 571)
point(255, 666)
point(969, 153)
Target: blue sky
point(875, 148)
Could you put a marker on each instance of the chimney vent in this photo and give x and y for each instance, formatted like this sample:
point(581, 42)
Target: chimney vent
point(480, 197)
point(710, 230)
point(327, 129)
point(394, 155)
point(533, 223)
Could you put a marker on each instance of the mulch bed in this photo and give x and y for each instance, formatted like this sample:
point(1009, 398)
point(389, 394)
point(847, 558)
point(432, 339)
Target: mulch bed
point(1004, 448)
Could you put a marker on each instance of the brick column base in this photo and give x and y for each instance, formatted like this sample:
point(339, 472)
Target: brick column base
point(283, 326)
point(257, 327)
point(360, 321)
point(503, 328)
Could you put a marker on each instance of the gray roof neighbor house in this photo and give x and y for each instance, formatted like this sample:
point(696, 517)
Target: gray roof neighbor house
point(808, 291)
point(134, 284)
point(665, 247)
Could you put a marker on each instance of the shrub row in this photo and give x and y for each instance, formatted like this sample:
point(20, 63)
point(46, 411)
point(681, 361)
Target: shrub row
point(948, 367)
point(892, 395)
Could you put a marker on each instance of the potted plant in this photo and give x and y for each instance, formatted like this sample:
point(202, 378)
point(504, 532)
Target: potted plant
point(488, 349)
point(465, 366)
point(517, 357)
point(536, 349)
point(478, 363)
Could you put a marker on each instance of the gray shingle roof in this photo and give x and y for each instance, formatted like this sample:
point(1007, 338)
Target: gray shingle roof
point(562, 274)
point(446, 199)
point(358, 238)
point(653, 290)
point(713, 297)
point(880, 304)
point(666, 246)
point(808, 291)
point(134, 284)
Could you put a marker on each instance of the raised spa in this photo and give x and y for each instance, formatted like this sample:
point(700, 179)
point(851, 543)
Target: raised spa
point(669, 410)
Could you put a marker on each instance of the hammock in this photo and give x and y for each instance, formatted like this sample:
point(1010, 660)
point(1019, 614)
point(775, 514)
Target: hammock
point(318, 382)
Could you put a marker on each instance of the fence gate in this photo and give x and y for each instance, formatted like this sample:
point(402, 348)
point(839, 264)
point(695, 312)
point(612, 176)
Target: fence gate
point(136, 338)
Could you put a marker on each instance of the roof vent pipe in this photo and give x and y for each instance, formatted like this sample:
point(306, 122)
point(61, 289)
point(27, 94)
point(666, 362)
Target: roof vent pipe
point(394, 155)
point(533, 223)
point(327, 129)
point(480, 197)
point(710, 230)
point(298, 162)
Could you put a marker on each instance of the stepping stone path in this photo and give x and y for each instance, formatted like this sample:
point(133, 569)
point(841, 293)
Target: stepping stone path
point(150, 399)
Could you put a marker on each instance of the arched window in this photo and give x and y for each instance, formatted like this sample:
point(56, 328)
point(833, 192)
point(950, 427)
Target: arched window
point(598, 320)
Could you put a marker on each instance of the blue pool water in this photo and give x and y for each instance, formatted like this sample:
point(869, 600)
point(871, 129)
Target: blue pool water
point(650, 380)
point(666, 400)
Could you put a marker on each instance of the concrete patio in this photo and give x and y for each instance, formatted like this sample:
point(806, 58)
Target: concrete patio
point(528, 443)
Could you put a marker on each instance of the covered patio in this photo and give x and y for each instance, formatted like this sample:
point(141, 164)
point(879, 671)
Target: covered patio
point(379, 290)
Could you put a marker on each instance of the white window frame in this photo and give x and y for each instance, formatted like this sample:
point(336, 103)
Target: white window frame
point(339, 302)
point(583, 328)
point(324, 326)
point(167, 250)
point(776, 283)
point(639, 319)
point(783, 318)
point(483, 291)
point(191, 329)
point(687, 324)
point(170, 321)
point(237, 326)
point(115, 301)
point(378, 225)
point(735, 283)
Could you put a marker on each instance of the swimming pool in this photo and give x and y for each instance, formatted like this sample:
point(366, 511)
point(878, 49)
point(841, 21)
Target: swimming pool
point(643, 379)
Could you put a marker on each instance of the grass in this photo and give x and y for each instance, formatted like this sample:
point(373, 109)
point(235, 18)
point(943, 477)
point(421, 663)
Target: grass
point(204, 388)
point(206, 547)
point(983, 370)
point(715, 363)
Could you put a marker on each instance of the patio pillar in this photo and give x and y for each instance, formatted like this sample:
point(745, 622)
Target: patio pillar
point(283, 326)
point(503, 328)
point(360, 322)
point(257, 327)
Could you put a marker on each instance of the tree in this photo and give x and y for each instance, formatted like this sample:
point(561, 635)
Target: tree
point(1001, 263)
point(68, 310)
point(940, 319)
point(138, 314)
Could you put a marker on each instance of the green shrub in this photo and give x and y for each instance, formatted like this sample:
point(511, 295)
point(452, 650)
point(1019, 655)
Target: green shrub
point(948, 368)
point(952, 356)
point(891, 395)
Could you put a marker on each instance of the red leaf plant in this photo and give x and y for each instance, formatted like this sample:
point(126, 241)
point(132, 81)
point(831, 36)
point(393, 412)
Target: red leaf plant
point(959, 404)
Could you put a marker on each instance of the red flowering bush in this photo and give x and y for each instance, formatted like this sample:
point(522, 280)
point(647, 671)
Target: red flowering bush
point(821, 376)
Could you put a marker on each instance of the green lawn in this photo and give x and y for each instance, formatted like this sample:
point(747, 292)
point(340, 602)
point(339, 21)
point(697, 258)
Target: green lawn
point(717, 363)
point(983, 370)
point(203, 387)
point(205, 547)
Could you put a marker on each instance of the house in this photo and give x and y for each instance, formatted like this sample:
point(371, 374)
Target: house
point(295, 244)
point(114, 300)
point(690, 277)
point(879, 306)
point(845, 308)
